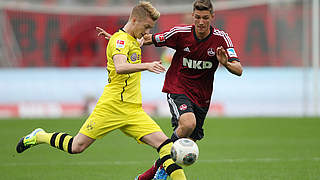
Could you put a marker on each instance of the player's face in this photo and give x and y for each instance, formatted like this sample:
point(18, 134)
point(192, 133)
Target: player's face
point(143, 26)
point(202, 21)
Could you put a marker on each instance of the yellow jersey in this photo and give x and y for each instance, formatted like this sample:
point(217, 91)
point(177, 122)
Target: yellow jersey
point(124, 87)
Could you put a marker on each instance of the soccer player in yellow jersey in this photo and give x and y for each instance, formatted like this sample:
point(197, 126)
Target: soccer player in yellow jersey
point(120, 105)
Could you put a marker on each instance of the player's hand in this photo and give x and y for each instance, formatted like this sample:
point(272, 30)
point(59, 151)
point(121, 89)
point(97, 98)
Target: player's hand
point(156, 67)
point(103, 32)
point(222, 55)
point(147, 39)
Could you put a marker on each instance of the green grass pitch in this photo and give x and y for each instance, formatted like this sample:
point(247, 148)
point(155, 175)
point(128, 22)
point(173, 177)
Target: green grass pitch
point(233, 149)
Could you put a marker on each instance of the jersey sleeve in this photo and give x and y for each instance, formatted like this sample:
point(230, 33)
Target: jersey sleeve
point(119, 45)
point(166, 38)
point(228, 46)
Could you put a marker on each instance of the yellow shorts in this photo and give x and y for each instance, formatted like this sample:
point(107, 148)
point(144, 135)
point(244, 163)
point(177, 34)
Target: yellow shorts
point(109, 115)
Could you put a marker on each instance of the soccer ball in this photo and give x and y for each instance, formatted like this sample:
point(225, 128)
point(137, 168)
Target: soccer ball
point(184, 152)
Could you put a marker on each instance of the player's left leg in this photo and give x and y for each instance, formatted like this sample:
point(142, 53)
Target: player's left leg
point(90, 130)
point(61, 141)
point(28, 141)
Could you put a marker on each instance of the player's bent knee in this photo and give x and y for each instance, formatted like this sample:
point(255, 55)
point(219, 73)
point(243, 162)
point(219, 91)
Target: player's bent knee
point(188, 121)
point(80, 143)
point(78, 148)
point(188, 125)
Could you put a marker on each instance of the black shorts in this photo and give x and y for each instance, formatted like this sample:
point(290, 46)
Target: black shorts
point(180, 104)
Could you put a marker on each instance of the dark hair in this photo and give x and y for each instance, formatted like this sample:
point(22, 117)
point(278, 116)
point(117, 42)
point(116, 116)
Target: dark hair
point(203, 5)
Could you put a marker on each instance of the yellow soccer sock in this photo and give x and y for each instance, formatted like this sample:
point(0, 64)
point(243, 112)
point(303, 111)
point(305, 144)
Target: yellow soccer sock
point(58, 140)
point(43, 137)
point(173, 170)
point(178, 175)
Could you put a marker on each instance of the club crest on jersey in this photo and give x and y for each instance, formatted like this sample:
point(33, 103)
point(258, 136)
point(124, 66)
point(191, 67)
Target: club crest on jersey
point(159, 38)
point(120, 44)
point(183, 107)
point(211, 52)
point(231, 52)
point(186, 49)
point(134, 57)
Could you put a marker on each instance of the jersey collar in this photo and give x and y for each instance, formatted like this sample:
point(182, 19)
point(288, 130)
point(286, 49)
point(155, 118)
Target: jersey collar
point(121, 29)
point(198, 40)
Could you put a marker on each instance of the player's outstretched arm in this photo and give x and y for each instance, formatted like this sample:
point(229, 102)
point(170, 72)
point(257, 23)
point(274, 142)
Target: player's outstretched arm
point(234, 67)
point(145, 40)
point(123, 67)
point(103, 33)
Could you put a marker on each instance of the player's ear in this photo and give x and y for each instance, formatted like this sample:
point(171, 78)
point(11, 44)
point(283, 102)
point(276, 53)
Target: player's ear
point(193, 16)
point(133, 20)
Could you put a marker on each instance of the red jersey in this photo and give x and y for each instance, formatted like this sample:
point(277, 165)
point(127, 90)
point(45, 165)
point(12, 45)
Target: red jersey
point(194, 63)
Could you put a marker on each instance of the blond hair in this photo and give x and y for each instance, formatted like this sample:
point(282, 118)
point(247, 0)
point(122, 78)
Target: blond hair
point(145, 9)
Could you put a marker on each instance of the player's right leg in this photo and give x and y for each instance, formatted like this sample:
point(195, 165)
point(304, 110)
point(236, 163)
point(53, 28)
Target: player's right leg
point(183, 116)
point(141, 127)
point(184, 119)
point(160, 141)
point(186, 125)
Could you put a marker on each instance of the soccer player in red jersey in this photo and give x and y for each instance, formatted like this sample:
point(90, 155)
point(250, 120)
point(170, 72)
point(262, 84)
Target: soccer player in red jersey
point(200, 48)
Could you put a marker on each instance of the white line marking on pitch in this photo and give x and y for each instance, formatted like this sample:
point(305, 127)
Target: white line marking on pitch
point(94, 163)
